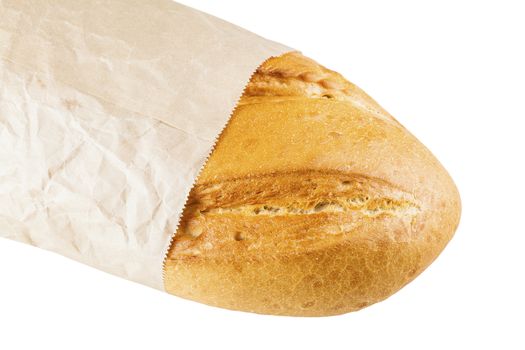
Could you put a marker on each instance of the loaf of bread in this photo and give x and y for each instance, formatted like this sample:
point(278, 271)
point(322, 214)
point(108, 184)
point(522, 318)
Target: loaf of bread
point(314, 202)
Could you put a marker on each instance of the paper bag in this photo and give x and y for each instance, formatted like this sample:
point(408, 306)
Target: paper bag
point(108, 110)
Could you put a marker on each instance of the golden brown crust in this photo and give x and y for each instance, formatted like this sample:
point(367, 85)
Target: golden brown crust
point(315, 201)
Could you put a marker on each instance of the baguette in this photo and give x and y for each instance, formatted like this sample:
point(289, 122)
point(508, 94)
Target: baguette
point(314, 202)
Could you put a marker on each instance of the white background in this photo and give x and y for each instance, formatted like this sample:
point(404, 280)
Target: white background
point(453, 72)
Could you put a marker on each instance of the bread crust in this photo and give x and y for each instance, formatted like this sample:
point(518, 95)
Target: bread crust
point(314, 202)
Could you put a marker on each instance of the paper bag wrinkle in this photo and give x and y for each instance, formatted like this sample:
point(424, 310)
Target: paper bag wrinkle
point(108, 111)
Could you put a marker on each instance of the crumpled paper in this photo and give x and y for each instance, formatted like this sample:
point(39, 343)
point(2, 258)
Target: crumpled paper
point(108, 110)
